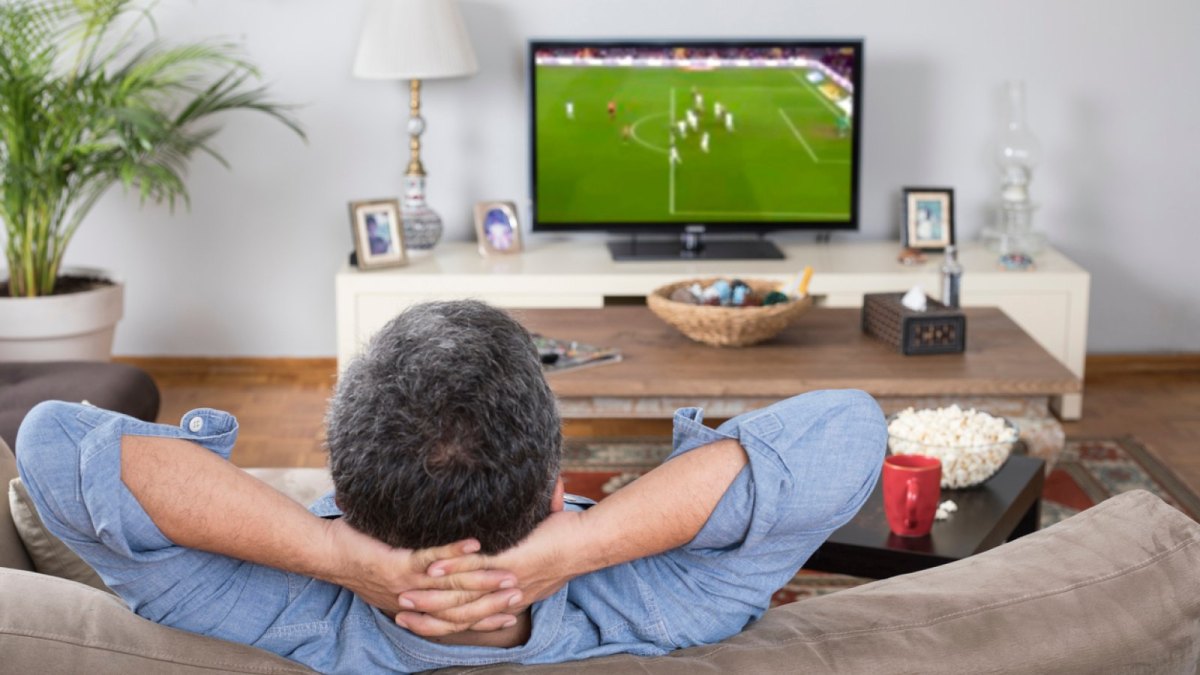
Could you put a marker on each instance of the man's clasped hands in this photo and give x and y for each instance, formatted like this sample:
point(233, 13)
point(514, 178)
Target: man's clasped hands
point(449, 589)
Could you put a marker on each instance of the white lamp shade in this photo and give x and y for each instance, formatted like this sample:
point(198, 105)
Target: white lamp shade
point(414, 40)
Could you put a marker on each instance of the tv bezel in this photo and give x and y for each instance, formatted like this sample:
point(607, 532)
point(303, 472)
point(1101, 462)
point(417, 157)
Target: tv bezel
point(725, 226)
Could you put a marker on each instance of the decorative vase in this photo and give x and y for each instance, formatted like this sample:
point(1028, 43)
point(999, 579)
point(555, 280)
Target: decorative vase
point(67, 327)
point(422, 225)
point(1017, 154)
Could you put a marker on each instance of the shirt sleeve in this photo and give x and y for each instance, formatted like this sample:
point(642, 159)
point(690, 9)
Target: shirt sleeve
point(69, 457)
point(813, 461)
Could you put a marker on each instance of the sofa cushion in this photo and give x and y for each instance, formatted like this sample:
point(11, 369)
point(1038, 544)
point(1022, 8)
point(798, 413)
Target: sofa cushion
point(1114, 589)
point(50, 625)
point(48, 553)
point(12, 550)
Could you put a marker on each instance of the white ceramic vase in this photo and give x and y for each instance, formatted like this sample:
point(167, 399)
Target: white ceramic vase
point(69, 327)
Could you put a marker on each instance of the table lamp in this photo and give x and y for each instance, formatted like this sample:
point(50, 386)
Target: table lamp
point(415, 40)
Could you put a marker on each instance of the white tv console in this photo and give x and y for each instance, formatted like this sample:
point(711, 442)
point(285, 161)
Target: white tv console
point(1050, 303)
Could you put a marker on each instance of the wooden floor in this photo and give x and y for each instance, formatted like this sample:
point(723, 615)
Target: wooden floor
point(280, 405)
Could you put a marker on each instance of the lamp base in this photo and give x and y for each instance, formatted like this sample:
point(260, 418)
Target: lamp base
point(422, 225)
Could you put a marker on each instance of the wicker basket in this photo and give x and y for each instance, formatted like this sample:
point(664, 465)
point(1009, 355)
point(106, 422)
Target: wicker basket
point(726, 326)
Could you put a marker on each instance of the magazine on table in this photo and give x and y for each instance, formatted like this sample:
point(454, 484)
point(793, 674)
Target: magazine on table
point(560, 355)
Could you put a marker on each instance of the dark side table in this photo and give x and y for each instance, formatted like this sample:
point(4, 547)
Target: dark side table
point(1006, 506)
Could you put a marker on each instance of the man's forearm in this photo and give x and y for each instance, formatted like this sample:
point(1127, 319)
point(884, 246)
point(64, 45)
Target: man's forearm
point(200, 501)
point(660, 511)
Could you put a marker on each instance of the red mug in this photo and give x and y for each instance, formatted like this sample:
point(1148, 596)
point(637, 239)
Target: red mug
point(912, 487)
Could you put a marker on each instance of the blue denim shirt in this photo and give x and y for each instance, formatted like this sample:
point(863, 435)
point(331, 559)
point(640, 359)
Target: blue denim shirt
point(813, 459)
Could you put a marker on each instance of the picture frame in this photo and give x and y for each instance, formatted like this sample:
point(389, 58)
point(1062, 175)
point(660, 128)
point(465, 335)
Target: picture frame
point(497, 228)
point(378, 234)
point(928, 218)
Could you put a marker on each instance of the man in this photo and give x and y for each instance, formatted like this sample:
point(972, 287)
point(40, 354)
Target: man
point(673, 154)
point(704, 142)
point(444, 434)
point(570, 110)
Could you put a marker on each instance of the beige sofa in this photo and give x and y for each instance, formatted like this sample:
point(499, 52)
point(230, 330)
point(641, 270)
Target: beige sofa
point(1113, 590)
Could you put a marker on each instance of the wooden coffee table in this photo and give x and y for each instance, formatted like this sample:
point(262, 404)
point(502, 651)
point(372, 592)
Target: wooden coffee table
point(825, 349)
point(1002, 371)
point(1006, 506)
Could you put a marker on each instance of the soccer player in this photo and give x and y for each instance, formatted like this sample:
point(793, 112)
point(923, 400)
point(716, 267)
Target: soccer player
point(697, 99)
point(843, 126)
point(693, 121)
point(570, 110)
point(673, 157)
point(626, 132)
point(704, 142)
point(612, 110)
point(718, 109)
point(728, 120)
point(682, 128)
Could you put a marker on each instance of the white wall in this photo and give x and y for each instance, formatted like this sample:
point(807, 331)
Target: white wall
point(1112, 88)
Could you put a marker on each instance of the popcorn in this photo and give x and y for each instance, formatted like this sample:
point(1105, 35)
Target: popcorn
point(945, 509)
point(971, 444)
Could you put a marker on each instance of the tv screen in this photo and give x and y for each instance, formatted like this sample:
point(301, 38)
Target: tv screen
point(736, 136)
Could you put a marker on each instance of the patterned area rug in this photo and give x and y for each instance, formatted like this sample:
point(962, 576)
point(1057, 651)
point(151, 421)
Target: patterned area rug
point(1088, 472)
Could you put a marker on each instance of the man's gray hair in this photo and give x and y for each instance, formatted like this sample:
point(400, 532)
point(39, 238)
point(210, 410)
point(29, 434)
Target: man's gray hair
point(444, 429)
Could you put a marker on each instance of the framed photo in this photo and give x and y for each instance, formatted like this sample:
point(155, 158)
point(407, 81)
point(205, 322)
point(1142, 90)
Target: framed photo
point(378, 237)
point(928, 222)
point(497, 228)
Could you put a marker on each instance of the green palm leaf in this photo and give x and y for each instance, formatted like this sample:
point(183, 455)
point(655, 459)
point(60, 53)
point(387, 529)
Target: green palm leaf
point(85, 105)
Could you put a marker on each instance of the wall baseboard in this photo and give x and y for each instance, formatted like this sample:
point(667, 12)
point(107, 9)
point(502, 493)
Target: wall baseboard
point(1102, 365)
point(240, 368)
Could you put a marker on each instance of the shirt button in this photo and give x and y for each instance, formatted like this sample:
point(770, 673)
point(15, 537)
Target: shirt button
point(196, 424)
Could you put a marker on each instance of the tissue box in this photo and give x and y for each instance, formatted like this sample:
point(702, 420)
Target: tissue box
point(937, 330)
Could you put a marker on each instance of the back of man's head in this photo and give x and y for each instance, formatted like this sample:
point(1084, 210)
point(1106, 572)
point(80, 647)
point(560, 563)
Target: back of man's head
point(445, 428)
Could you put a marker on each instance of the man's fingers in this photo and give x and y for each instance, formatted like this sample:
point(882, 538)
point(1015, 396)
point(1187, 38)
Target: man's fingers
point(469, 614)
point(450, 565)
point(425, 625)
point(422, 558)
point(493, 623)
point(481, 580)
point(429, 626)
point(485, 611)
point(462, 617)
point(437, 601)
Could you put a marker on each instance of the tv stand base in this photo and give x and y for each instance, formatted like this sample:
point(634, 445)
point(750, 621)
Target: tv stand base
point(721, 249)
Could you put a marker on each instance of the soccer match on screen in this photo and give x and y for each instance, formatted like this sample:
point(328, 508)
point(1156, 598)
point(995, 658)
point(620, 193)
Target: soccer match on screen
point(681, 134)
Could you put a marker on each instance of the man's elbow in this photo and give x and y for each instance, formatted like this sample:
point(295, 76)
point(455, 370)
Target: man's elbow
point(47, 445)
point(836, 455)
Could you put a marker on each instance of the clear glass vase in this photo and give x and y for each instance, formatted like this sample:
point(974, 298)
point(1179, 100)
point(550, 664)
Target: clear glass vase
point(422, 225)
point(1017, 154)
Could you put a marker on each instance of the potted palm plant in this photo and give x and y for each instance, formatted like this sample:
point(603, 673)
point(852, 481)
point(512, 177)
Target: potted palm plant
point(86, 103)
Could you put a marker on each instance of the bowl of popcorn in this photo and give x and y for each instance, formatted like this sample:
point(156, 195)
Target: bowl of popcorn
point(971, 444)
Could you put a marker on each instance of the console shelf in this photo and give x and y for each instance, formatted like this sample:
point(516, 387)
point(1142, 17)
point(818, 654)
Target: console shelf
point(1050, 303)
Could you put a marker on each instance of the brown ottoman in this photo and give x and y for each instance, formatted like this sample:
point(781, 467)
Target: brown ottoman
point(112, 386)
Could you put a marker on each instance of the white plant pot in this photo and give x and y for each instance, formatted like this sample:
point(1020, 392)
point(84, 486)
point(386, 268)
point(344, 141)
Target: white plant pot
point(70, 327)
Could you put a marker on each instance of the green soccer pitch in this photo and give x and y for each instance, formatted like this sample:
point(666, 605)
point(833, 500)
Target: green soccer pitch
point(784, 160)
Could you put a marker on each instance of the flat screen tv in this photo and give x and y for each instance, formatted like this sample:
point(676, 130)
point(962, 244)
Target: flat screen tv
point(684, 136)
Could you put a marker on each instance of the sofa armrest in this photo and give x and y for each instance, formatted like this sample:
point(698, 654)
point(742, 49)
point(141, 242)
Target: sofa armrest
point(12, 551)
